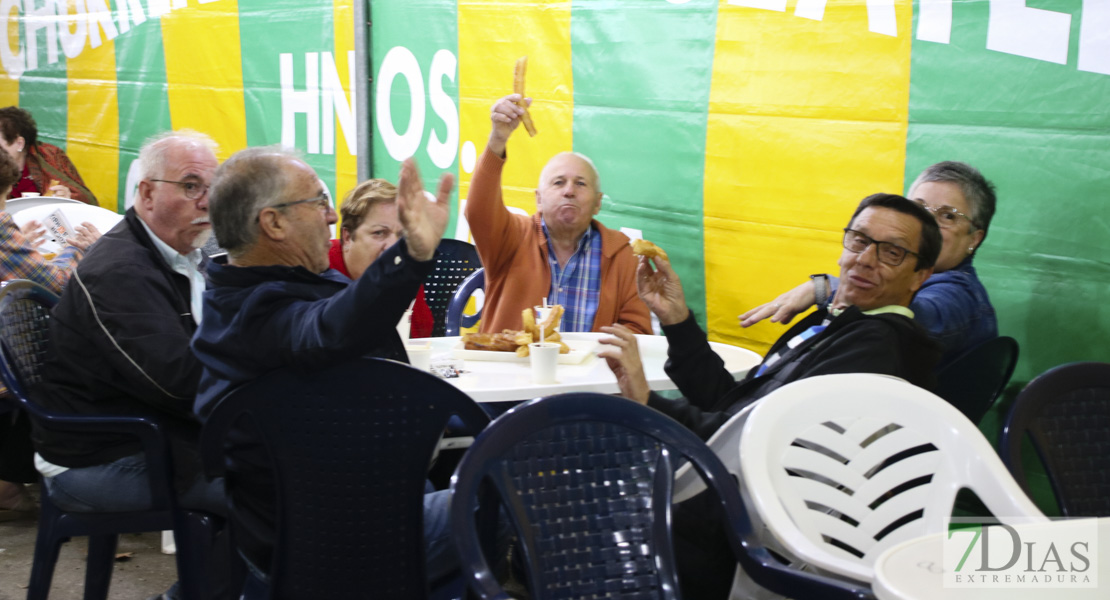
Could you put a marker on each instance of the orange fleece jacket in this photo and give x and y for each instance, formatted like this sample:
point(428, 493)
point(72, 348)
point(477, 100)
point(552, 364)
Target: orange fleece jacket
point(513, 250)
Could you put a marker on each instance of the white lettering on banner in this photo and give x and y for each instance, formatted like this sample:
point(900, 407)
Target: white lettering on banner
point(934, 21)
point(1094, 37)
point(333, 99)
point(323, 101)
point(99, 14)
point(1014, 28)
point(443, 152)
point(135, 8)
point(158, 8)
point(880, 13)
point(34, 20)
point(400, 61)
point(13, 62)
point(777, 5)
point(306, 102)
point(73, 29)
point(810, 9)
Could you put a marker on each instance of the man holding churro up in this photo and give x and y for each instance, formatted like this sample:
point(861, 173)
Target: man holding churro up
point(561, 252)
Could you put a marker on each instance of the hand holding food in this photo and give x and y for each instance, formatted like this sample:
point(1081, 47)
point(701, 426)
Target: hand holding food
point(57, 189)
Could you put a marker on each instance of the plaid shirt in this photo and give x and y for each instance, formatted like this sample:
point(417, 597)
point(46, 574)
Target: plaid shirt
point(20, 261)
point(577, 286)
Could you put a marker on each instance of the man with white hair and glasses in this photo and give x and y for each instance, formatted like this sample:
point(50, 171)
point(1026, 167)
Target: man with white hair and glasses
point(121, 335)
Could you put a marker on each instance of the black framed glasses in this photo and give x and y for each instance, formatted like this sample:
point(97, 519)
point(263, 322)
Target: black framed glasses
point(888, 253)
point(322, 201)
point(946, 216)
point(194, 190)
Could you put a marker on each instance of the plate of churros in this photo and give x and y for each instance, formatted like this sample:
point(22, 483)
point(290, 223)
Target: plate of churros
point(511, 345)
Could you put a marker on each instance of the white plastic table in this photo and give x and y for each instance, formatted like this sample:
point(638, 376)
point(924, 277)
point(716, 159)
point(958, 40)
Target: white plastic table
point(494, 381)
point(913, 570)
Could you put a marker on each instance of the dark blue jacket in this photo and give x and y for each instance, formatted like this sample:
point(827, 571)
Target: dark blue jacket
point(258, 319)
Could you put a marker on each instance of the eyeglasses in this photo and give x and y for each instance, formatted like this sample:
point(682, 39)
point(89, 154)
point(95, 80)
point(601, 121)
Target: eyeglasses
point(322, 201)
point(946, 216)
point(888, 253)
point(193, 190)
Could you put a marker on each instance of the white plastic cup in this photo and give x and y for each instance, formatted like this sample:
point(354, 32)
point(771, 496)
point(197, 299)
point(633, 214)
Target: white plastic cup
point(420, 356)
point(31, 195)
point(544, 357)
point(404, 326)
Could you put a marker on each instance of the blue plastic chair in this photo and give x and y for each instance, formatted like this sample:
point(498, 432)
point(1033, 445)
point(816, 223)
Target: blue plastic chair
point(456, 319)
point(350, 448)
point(455, 261)
point(587, 481)
point(975, 379)
point(24, 344)
point(1065, 413)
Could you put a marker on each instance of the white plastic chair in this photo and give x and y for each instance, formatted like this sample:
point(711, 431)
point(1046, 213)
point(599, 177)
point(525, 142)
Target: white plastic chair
point(838, 468)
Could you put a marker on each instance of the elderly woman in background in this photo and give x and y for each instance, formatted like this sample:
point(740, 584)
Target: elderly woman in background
point(368, 227)
point(45, 168)
point(952, 304)
point(20, 260)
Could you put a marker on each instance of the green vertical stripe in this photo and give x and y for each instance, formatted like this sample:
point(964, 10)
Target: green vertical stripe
point(423, 28)
point(42, 90)
point(642, 71)
point(1041, 132)
point(144, 108)
point(268, 29)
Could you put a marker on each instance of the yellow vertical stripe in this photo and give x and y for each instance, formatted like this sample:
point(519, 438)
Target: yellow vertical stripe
point(805, 119)
point(346, 163)
point(92, 132)
point(9, 87)
point(492, 36)
point(204, 72)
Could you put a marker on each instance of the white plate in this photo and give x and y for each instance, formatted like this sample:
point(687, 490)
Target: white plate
point(580, 350)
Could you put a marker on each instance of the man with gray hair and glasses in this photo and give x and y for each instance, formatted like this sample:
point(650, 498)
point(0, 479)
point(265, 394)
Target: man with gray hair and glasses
point(952, 305)
point(276, 304)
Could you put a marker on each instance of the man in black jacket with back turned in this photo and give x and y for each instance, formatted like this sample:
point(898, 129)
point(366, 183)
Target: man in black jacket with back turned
point(890, 246)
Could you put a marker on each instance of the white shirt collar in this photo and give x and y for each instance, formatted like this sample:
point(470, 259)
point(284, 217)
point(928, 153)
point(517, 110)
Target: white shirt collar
point(185, 264)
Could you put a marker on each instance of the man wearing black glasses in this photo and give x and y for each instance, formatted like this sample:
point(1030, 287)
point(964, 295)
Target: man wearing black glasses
point(890, 246)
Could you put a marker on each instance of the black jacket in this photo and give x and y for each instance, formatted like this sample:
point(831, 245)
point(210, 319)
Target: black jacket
point(120, 337)
point(888, 343)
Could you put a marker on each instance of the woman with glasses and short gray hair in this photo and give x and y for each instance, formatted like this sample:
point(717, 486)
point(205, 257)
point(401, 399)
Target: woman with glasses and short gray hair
point(952, 304)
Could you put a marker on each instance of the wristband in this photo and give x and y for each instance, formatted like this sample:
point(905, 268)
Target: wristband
point(820, 288)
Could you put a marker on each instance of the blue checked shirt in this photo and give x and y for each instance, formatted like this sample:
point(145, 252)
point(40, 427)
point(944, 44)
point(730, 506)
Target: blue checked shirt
point(577, 287)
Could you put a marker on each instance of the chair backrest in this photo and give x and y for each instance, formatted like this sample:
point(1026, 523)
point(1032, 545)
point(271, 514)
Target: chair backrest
point(455, 317)
point(24, 334)
point(586, 480)
point(973, 381)
point(455, 261)
point(349, 449)
point(841, 467)
point(1065, 413)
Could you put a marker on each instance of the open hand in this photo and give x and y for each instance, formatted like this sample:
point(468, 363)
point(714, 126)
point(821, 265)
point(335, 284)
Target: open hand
point(34, 233)
point(622, 354)
point(85, 234)
point(784, 308)
point(424, 221)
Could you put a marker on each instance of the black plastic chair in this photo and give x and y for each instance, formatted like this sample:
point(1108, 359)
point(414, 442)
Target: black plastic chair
point(1065, 413)
point(973, 381)
point(587, 481)
point(455, 261)
point(24, 344)
point(456, 319)
point(350, 448)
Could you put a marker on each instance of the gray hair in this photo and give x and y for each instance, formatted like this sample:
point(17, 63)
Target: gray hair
point(152, 155)
point(585, 159)
point(977, 190)
point(249, 181)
